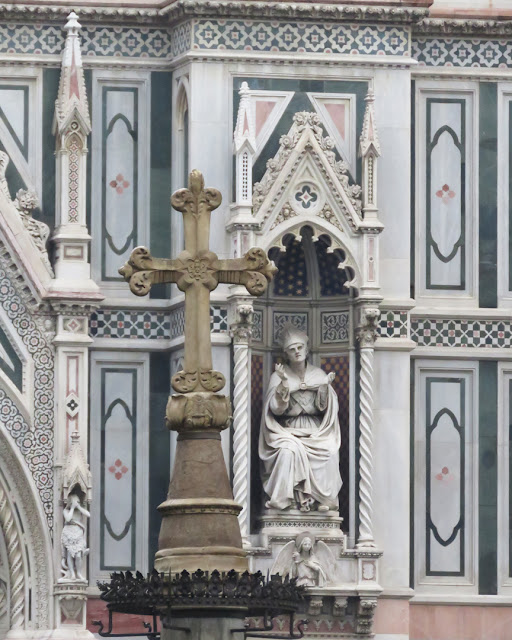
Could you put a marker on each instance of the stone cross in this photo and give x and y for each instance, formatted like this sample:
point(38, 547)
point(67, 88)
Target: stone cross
point(200, 527)
point(197, 271)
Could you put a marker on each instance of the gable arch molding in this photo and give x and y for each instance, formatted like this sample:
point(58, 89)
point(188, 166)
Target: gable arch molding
point(320, 227)
point(28, 544)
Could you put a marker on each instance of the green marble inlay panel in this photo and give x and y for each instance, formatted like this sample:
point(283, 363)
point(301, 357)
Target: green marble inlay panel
point(509, 431)
point(10, 363)
point(120, 175)
point(445, 196)
point(23, 90)
point(510, 195)
point(488, 196)
point(488, 478)
point(159, 444)
point(50, 91)
point(118, 464)
point(160, 176)
point(442, 472)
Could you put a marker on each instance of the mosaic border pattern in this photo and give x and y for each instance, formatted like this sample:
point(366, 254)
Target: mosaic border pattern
point(149, 325)
point(394, 324)
point(131, 42)
point(459, 52)
point(461, 333)
point(36, 443)
point(300, 37)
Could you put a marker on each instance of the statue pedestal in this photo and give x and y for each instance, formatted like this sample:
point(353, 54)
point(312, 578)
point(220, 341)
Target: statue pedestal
point(347, 598)
point(275, 524)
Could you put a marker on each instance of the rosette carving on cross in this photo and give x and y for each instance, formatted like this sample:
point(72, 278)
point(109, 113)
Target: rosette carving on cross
point(197, 271)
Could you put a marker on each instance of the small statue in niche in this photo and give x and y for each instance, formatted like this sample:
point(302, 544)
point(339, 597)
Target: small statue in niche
point(73, 538)
point(310, 561)
point(300, 433)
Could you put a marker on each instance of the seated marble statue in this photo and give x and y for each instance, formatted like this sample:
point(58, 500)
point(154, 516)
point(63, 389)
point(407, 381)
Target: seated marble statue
point(300, 433)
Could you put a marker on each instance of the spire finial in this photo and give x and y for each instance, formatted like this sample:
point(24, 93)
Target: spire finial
point(72, 25)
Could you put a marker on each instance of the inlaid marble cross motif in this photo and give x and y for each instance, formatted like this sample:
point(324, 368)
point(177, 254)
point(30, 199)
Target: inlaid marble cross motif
point(197, 271)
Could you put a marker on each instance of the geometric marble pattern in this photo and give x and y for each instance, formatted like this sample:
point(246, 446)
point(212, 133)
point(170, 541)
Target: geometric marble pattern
point(35, 444)
point(461, 333)
point(293, 37)
point(152, 325)
point(458, 52)
point(108, 323)
point(393, 324)
point(96, 41)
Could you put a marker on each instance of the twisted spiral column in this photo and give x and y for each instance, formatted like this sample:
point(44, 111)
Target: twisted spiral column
point(15, 559)
point(241, 333)
point(367, 336)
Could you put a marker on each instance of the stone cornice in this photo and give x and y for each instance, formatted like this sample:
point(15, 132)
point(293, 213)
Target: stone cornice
point(450, 26)
point(276, 10)
point(181, 9)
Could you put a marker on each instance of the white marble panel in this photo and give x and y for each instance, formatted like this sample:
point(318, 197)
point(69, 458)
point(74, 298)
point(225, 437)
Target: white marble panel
point(391, 455)
point(119, 442)
point(445, 476)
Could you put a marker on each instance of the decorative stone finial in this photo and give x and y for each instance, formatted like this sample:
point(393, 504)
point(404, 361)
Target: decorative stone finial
point(369, 141)
point(71, 102)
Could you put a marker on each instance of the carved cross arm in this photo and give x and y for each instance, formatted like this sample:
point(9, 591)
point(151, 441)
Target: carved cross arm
point(254, 271)
point(142, 271)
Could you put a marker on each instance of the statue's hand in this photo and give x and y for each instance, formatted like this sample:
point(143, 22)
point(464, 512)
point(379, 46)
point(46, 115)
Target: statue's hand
point(296, 556)
point(330, 377)
point(282, 374)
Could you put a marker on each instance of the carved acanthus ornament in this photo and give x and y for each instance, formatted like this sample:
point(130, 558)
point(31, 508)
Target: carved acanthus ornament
point(26, 202)
point(176, 11)
point(285, 214)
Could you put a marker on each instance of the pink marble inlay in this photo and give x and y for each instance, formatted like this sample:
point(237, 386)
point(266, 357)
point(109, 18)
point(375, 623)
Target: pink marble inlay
point(263, 110)
point(337, 113)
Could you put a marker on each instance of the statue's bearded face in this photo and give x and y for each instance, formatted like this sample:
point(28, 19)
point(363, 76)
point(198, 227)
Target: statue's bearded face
point(296, 352)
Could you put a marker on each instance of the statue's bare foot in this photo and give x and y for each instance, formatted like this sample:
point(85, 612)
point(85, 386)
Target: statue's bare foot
point(323, 508)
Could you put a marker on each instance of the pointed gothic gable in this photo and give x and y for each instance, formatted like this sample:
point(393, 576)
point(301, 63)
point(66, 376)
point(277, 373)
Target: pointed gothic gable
point(305, 179)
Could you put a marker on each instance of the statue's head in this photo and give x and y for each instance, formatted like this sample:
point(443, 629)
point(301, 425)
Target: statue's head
point(294, 343)
point(305, 541)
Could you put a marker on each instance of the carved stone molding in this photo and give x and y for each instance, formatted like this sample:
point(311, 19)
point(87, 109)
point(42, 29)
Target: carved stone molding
point(36, 538)
point(445, 26)
point(305, 121)
point(192, 8)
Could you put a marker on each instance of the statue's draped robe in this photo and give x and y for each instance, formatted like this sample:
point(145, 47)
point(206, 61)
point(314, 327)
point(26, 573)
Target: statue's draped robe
point(300, 440)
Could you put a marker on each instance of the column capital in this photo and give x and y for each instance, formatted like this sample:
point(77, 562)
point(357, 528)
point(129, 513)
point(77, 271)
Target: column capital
point(241, 328)
point(367, 329)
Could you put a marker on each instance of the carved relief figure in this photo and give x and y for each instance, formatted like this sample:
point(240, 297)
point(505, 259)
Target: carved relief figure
point(74, 546)
point(300, 433)
point(310, 562)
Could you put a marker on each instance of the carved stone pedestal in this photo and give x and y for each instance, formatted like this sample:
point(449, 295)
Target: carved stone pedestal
point(343, 601)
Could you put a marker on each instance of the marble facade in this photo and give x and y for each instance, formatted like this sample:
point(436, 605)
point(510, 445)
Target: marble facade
point(369, 152)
